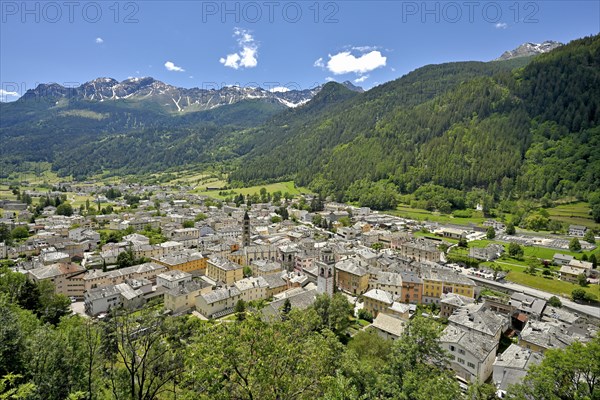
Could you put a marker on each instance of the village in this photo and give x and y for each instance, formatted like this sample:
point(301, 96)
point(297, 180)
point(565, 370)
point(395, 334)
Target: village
point(213, 259)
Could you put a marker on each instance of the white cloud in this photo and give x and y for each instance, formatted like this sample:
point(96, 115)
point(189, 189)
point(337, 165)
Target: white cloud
point(345, 62)
point(246, 57)
point(172, 67)
point(330, 79)
point(501, 25)
point(361, 79)
point(99, 40)
point(5, 94)
point(364, 49)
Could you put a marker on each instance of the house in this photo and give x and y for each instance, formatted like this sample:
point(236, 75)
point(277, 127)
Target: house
point(389, 281)
point(437, 281)
point(351, 277)
point(173, 279)
point(219, 302)
point(577, 230)
point(387, 327)
point(541, 336)
point(497, 225)
point(477, 318)
point(528, 305)
point(585, 266)
point(222, 270)
point(412, 288)
point(471, 352)
point(182, 298)
point(103, 299)
point(488, 253)
point(265, 267)
point(184, 260)
point(562, 259)
point(299, 299)
point(252, 288)
point(97, 278)
point(511, 366)
point(420, 251)
point(450, 302)
point(276, 284)
point(569, 273)
point(453, 233)
point(67, 278)
point(376, 301)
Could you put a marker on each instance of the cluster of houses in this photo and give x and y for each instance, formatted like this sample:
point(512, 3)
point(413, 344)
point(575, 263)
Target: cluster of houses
point(215, 257)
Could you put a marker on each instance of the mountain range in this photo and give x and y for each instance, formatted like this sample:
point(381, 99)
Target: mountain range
point(530, 49)
point(522, 126)
point(171, 98)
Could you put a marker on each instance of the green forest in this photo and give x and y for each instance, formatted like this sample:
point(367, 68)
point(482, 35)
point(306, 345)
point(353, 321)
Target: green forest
point(524, 132)
point(47, 354)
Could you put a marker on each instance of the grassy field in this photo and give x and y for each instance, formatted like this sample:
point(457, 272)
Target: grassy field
point(549, 285)
point(283, 187)
point(573, 214)
point(570, 214)
point(405, 211)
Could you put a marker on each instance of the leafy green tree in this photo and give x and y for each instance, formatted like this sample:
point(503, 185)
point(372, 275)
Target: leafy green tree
point(364, 314)
point(20, 232)
point(254, 359)
point(417, 367)
point(200, 217)
point(144, 356)
point(275, 219)
point(334, 311)
point(188, 224)
point(582, 280)
point(490, 233)
point(462, 242)
point(5, 235)
point(578, 294)
point(515, 250)
point(594, 260)
point(555, 302)
point(589, 236)
point(64, 209)
point(510, 228)
point(574, 245)
point(481, 391)
point(240, 310)
point(554, 226)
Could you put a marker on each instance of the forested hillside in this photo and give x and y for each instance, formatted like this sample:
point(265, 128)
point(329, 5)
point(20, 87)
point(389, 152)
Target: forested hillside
point(82, 138)
point(526, 132)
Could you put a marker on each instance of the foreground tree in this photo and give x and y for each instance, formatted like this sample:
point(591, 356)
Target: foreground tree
point(254, 359)
point(566, 374)
point(143, 355)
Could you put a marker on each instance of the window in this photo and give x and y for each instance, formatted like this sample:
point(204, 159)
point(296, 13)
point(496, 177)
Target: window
point(452, 348)
point(460, 360)
point(461, 351)
point(471, 365)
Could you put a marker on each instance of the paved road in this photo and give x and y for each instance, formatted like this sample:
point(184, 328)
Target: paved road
point(592, 311)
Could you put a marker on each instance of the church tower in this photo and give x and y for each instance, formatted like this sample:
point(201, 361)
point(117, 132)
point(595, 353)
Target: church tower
point(325, 269)
point(246, 230)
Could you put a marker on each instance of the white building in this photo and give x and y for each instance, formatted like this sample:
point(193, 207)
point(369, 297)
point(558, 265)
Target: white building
point(511, 366)
point(471, 353)
point(218, 302)
point(173, 279)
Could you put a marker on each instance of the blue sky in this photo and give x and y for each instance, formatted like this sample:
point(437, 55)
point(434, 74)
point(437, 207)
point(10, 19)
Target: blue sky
point(266, 43)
